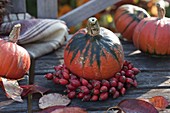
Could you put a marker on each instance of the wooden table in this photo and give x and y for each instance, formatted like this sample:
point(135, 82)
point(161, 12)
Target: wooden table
point(153, 80)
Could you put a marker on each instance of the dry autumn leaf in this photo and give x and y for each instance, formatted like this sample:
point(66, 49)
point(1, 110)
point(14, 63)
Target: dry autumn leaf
point(53, 99)
point(159, 102)
point(30, 89)
point(134, 106)
point(60, 109)
point(12, 89)
point(69, 110)
point(50, 109)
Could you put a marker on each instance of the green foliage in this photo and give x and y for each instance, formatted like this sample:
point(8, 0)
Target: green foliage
point(31, 6)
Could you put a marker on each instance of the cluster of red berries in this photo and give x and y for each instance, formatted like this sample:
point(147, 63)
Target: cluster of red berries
point(93, 90)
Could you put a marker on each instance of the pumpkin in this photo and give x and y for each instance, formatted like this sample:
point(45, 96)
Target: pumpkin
point(94, 52)
point(14, 59)
point(126, 18)
point(152, 34)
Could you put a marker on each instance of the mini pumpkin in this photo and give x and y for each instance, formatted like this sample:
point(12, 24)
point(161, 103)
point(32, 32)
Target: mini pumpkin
point(14, 59)
point(94, 52)
point(127, 17)
point(152, 34)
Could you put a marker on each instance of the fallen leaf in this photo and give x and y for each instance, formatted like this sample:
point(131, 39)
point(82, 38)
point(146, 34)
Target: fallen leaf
point(159, 102)
point(137, 106)
point(50, 109)
point(63, 109)
point(134, 106)
point(12, 89)
point(69, 110)
point(53, 99)
point(30, 89)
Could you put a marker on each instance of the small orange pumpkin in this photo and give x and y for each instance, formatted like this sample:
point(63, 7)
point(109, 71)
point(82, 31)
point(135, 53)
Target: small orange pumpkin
point(152, 35)
point(14, 59)
point(126, 18)
point(94, 53)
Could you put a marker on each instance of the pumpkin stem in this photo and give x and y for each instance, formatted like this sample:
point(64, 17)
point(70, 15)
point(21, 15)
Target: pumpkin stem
point(14, 34)
point(161, 9)
point(93, 27)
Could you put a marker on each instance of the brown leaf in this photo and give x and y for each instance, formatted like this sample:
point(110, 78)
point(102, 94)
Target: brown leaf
point(141, 105)
point(12, 89)
point(137, 106)
point(50, 109)
point(159, 102)
point(69, 110)
point(62, 109)
point(30, 89)
point(53, 99)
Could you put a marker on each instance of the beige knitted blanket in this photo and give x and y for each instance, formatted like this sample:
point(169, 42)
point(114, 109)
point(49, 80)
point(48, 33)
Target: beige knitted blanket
point(38, 36)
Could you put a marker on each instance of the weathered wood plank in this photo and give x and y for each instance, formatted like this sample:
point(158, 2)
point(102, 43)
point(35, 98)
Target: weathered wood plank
point(47, 8)
point(94, 106)
point(58, 54)
point(18, 6)
point(154, 80)
point(86, 10)
point(129, 51)
point(145, 80)
point(143, 63)
point(16, 107)
point(131, 93)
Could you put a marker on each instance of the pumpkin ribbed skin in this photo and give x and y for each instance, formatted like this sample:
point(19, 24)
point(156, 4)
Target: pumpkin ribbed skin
point(152, 35)
point(94, 57)
point(14, 60)
point(127, 17)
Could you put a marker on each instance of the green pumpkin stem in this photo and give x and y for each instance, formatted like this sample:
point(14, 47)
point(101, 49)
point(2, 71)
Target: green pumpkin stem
point(14, 34)
point(93, 27)
point(161, 9)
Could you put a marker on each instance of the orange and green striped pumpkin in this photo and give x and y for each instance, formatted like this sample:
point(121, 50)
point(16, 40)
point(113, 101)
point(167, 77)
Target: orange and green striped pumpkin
point(152, 35)
point(14, 59)
point(126, 18)
point(94, 53)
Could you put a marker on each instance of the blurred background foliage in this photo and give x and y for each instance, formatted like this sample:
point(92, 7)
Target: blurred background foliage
point(105, 17)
